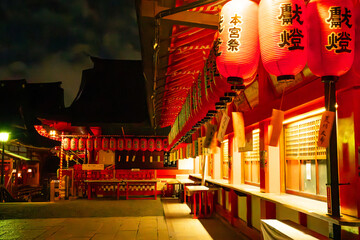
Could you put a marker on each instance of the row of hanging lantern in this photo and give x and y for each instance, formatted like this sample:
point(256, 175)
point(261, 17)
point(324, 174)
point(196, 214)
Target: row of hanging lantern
point(288, 35)
point(120, 144)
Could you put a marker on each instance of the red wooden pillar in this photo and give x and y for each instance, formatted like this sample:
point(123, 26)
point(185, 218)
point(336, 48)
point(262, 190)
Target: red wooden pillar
point(264, 171)
point(234, 206)
point(303, 219)
point(268, 209)
point(248, 211)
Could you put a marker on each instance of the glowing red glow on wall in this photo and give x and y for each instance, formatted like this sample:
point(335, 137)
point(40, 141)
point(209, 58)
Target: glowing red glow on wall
point(238, 49)
point(331, 36)
point(283, 37)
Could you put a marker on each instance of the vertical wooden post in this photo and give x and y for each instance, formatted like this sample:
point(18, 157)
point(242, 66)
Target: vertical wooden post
point(331, 155)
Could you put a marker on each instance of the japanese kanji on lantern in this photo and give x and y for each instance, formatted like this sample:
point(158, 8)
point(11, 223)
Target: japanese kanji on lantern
point(97, 144)
point(238, 45)
point(143, 144)
point(136, 144)
point(112, 144)
point(283, 37)
point(159, 144)
point(128, 144)
point(81, 144)
point(120, 144)
point(105, 144)
point(165, 144)
point(89, 144)
point(151, 144)
point(331, 37)
point(66, 144)
point(74, 144)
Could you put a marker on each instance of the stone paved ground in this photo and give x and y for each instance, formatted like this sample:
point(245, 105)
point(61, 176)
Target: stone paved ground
point(149, 227)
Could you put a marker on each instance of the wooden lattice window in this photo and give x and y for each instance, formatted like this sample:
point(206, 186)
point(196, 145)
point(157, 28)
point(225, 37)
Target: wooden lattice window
point(305, 163)
point(252, 160)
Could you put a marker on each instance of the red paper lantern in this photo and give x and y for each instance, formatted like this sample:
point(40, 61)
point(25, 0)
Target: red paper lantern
point(128, 144)
point(332, 34)
point(136, 144)
point(105, 144)
point(74, 144)
point(112, 144)
point(356, 64)
point(120, 144)
point(89, 144)
point(97, 144)
point(143, 144)
point(151, 144)
point(238, 54)
point(283, 37)
point(81, 144)
point(66, 144)
point(165, 144)
point(159, 144)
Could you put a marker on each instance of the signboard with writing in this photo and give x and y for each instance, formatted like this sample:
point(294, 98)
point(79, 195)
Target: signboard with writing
point(223, 126)
point(327, 120)
point(239, 128)
point(93, 167)
point(210, 132)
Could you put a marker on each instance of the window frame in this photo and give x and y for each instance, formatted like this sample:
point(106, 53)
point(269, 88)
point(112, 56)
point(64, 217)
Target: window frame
point(257, 184)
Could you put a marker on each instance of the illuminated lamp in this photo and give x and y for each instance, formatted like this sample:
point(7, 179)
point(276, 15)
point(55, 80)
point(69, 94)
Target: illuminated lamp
point(238, 54)
point(81, 144)
point(112, 144)
point(128, 144)
point(136, 144)
point(89, 144)
point(66, 144)
point(120, 144)
point(74, 144)
point(159, 144)
point(97, 144)
point(151, 144)
point(283, 37)
point(105, 144)
point(143, 144)
point(332, 31)
point(330, 55)
point(166, 144)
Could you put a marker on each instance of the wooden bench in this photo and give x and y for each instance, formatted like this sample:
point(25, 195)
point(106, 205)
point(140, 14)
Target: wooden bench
point(285, 229)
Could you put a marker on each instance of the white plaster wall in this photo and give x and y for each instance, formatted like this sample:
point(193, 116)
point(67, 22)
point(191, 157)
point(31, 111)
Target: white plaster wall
point(284, 213)
point(197, 165)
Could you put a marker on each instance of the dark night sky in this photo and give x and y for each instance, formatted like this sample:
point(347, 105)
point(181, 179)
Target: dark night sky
point(50, 40)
